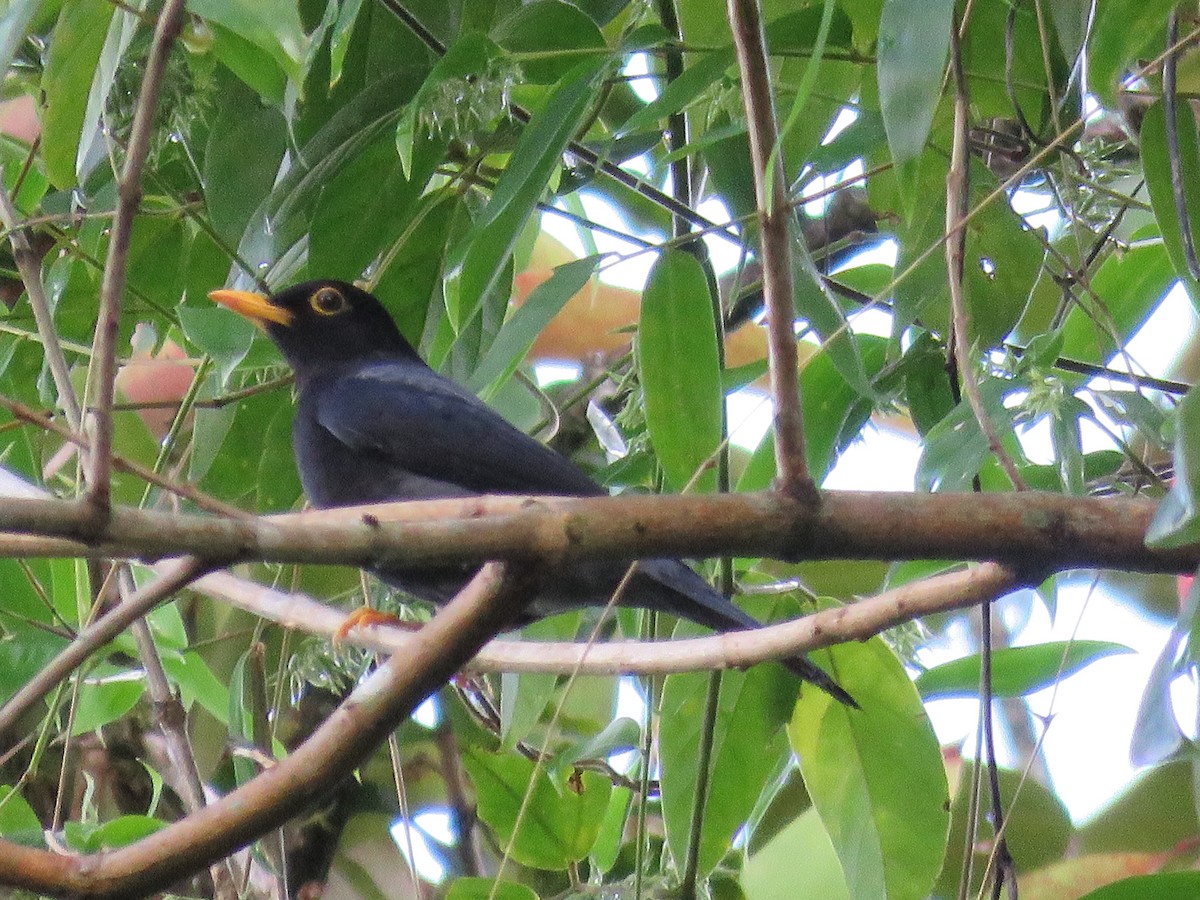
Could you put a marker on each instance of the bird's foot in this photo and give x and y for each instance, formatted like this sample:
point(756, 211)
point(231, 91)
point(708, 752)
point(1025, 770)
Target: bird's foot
point(364, 617)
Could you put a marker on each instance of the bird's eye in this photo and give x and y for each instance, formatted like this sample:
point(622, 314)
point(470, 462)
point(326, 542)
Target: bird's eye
point(328, 301)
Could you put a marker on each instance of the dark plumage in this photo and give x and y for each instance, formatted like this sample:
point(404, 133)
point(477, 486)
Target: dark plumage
point(375, 423)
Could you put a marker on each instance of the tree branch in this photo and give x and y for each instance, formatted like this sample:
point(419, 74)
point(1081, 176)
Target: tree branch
point(733, 650)
point(99, 422)
point(1030, 529)
point(775, 215)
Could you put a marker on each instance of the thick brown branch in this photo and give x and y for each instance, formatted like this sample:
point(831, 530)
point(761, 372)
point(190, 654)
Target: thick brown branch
point(334, 750)
point(1028, 530)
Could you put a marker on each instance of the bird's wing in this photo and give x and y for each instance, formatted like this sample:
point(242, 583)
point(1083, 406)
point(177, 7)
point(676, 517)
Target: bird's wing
point(425, 424)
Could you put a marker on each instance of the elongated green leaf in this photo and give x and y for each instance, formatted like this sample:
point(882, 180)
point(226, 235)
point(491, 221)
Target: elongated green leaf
point(557, 828)
point(1156, 164)
point(105, 702)
point(366, 206)
point(339, 38)
point(553, 33)
point(274, 27)
point(13, 26)
point(748, 744)
point(680, 370)
point(1016, 671)
point(75, 49)
point(521, 329)
point(875, 775)
point(1163, 886)
point(121, 30)
point(914, 38)
point(235, 182)
point(834, 414)
point(1122, 30)
point(488, 889)
point(1176, 522)
point(679, 93)
point(476, 264)
point(1131, 284)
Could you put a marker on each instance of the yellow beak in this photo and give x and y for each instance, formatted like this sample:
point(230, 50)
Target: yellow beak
point(255, 307)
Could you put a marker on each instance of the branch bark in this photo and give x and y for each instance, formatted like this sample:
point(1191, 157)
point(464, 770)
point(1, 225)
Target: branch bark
point(112, 287)
point(734, 650)
point(1030, 529)
point(775, 214)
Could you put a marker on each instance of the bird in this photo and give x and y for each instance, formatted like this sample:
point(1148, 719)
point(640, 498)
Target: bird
point(374, 423)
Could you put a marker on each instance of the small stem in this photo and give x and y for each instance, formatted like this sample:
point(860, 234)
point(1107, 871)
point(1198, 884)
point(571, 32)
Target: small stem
point(112, 287)
point(793, 477)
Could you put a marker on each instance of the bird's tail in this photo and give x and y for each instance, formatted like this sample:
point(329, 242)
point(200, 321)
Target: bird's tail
point(704, 606)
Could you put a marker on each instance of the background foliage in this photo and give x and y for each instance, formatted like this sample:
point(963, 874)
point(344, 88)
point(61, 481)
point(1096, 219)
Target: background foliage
point(414, 146)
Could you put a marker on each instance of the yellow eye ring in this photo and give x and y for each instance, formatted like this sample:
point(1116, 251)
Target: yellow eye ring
point(328, 301)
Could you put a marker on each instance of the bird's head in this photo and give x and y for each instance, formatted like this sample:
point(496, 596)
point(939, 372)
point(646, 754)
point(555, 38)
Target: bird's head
point(319, 324)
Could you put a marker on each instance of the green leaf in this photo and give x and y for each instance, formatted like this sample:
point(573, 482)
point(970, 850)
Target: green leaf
point(1123, 30)
point(524, 696)
point(224, 336)
point(1037, 828)
point(101, 703)
point(366, 206)
point(834, 414)
point(75, 49)
point(235, 182)
point(558, 827)
point(14, 25)
point(1162, 886)
point(747, 747)
point(875, 775)
point(1131, 284)
point(121, 31)
point(274, 27)
point(488, 889)
point(798, 862)
point(1176, 522)
point(339, 37)
point(678, 94)
point(121, 832)
point(553, 33)
point(1156, 165)
point(1016, 671)
point(680, 371)
point(914, 39)
point(522, 327)
point(476, 264)
point(198, 684)
point(253, 65)
point(18, 821)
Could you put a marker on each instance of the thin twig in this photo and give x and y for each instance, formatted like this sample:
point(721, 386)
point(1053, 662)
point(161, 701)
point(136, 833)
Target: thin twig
point(864, 618)
point(99, 424)
point(957, 206)
point(30, 268)
point(792, 473)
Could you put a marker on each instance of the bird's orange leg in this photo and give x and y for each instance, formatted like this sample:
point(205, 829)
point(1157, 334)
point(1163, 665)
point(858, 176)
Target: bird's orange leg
point(365, 616)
